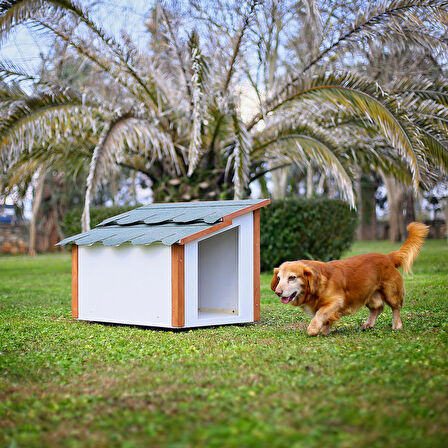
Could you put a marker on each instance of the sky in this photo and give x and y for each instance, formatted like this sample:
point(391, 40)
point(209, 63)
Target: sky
point(25, 45)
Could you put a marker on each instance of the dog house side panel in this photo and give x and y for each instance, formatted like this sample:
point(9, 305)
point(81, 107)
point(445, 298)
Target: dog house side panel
point(242, 256)
point(257, 263)
point(125, 284)
point(246, 267)
point(75, 281)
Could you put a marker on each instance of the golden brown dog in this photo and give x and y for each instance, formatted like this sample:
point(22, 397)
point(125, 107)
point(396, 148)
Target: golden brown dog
point(338, 288)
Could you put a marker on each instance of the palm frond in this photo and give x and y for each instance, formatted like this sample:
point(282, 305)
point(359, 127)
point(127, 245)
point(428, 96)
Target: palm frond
point(12, 72)
point(112, 67)
point(197, 81)
point(240, 156)
point(284, 125)
point(427, 113)
point(177, 49)
point(420, 37)
point(418, 87)
point(435, 142)
point(383, 17)
point(10, 94)
point(103, 158)
point(38, 118)
point(15, 12)
point(238, 42)
point(125, 130)
point(359, 96)
point(306, 145)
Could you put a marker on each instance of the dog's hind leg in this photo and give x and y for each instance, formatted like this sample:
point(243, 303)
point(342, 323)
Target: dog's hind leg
point(396, 319)
point(374, 313)
point(376, 306)
point(393, 292)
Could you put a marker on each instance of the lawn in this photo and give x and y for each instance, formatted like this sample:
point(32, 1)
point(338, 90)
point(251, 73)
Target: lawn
point(69, 383)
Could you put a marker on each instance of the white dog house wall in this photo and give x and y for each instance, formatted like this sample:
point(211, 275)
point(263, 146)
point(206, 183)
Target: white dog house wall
point(170, 265)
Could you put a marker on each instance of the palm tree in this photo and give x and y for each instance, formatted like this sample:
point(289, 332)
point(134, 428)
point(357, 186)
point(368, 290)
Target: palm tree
point(174, 113)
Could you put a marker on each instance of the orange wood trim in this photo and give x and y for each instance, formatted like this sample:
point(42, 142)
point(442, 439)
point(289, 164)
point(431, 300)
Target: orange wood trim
point(257, 312)
point(74, 281)
point(177, 285)
point(216, 227)
point(226, 221)
point(247, 209)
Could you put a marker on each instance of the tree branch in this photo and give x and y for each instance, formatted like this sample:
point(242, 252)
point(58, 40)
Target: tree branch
point(236, 48)
point(140, 170)
point(258, 175)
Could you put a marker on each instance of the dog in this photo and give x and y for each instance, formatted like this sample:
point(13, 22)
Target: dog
point(338, 288)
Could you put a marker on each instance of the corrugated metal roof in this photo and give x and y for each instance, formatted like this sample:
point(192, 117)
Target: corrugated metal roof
point(165, 223)
point(180, 212)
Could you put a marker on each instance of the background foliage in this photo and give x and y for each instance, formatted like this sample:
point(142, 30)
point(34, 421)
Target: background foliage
point(71, 223)
point(296, 229)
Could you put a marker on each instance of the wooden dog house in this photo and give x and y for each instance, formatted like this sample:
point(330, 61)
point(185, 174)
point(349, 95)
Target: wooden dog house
point(170, 265)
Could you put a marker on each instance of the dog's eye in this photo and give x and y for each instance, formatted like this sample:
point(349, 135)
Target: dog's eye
point(278, 277)
point(291, 278)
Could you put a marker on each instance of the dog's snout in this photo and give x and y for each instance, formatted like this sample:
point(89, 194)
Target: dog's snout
point(279, 292)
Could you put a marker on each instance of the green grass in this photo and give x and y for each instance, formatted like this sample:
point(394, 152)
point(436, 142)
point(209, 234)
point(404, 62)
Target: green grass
point(69, 383)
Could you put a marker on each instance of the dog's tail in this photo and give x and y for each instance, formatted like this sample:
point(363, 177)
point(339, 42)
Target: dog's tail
point(407, 253)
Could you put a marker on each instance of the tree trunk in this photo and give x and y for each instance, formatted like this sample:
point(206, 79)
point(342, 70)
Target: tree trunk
point(395, 216)
point(359, 203)
point(37, 200)
point(263, 187)
point(444, 204)
point(409, 208)
point(321, 185)
point(396, 192)
point(279, 182)
point(134, 187)
point(367, 208)
point(309, 182)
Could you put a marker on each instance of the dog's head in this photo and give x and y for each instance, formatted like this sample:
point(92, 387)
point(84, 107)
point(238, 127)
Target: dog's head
point(291, 281)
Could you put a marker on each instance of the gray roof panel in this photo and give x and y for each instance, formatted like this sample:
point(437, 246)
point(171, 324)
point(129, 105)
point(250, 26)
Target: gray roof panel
point(167, 234)
point(181, 212)
point(164, 223)
point(114, 218)
point(130, 217)
point(123, 236)
point(96, 235)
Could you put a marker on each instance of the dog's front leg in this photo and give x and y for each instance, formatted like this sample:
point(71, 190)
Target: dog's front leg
point(315, 325)
point(325, 318)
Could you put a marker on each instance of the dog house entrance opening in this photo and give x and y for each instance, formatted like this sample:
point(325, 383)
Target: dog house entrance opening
point(218, 275)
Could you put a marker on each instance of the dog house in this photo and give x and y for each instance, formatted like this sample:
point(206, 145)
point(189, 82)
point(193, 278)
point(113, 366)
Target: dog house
point(170, 265)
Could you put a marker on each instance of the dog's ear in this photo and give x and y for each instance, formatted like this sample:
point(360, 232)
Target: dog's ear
point(308, 276)
point(275, 280)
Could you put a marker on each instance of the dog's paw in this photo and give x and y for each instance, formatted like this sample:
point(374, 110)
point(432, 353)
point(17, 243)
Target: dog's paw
point(313, 331)
point(367, 325)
